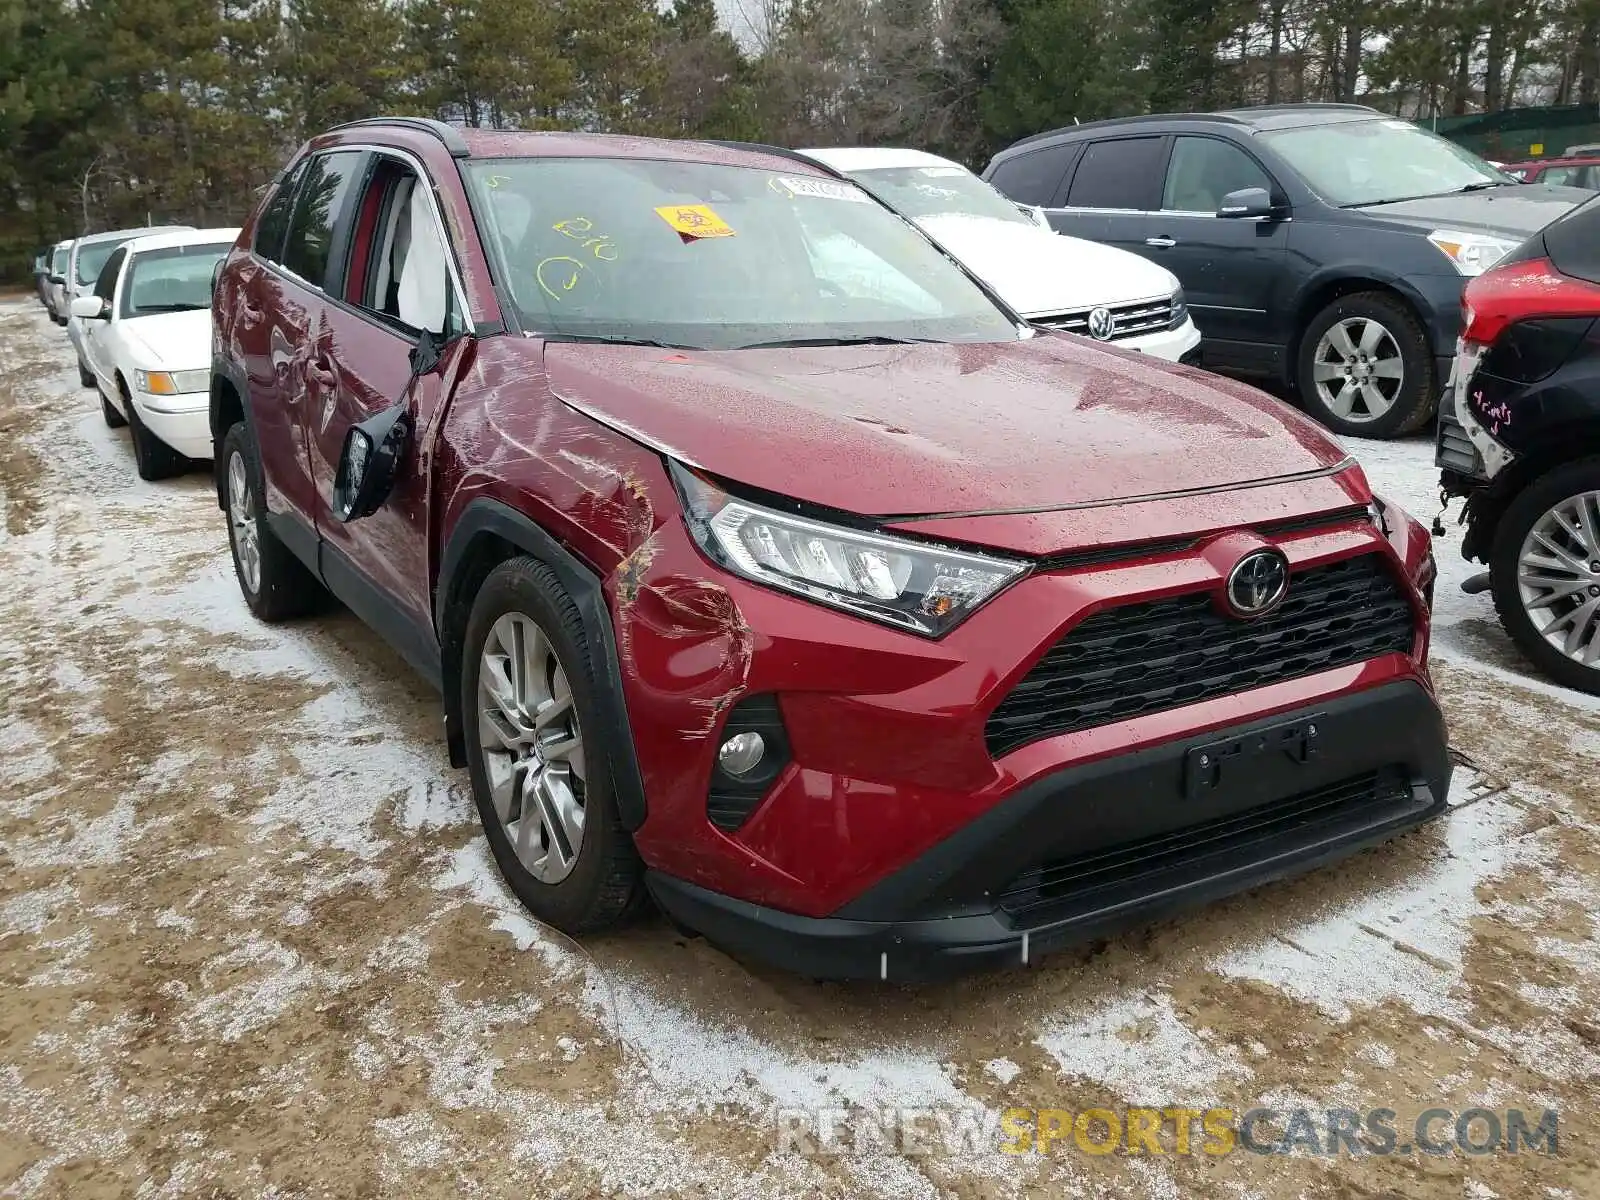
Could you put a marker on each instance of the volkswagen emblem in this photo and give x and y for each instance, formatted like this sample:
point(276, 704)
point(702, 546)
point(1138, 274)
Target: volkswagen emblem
point(1257, 584)
point(1101, 323)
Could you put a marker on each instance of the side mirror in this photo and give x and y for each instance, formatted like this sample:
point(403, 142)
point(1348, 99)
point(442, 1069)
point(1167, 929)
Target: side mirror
point(373, 452)
point(1246, 203)
point(89, 308)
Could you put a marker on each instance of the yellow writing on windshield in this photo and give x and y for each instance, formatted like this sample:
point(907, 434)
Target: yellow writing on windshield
point(558, 275)
point(581, 229)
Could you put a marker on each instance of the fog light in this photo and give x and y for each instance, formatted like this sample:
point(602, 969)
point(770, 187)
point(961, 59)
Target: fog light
point(741, 753)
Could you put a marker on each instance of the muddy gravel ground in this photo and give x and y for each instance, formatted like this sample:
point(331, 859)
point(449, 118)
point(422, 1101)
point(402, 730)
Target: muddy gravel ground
point(251, 942)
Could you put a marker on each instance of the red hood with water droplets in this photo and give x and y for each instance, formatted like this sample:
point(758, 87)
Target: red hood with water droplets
point(943, 428)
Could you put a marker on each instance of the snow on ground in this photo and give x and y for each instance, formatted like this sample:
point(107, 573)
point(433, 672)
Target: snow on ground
point(252, 944)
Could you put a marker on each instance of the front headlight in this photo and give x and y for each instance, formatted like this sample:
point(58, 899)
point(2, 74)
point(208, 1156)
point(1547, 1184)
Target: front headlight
point(1471, 253)
point(155, 383)
point(1180, 309)
point(918, 586)
point(168, 383)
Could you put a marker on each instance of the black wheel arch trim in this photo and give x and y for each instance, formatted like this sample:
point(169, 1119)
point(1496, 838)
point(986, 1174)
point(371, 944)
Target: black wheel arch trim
point(491, 517)
point(225, 369)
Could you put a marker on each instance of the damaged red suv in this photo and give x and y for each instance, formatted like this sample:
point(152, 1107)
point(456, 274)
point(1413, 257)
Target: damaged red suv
point(772, 568)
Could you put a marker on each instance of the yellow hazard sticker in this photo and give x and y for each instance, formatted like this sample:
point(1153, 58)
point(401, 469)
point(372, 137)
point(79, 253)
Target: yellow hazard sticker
point(694, 220)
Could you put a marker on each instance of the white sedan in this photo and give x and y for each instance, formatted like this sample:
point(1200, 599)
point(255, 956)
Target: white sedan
point(147, 342)
point(1050, 279)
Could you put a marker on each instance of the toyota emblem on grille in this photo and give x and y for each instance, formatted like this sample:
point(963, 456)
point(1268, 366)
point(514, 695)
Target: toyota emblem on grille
point(1101, 323)
point(1257, 584)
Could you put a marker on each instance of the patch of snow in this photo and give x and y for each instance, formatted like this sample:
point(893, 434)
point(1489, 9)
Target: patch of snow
point(1002, 1070)
point(1138, 1046)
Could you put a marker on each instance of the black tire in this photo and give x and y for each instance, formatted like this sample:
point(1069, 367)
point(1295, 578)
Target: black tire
point(108, 410)
point(284, 588)
point(1523, 513)
point(1417, 396)
point(86, 376)
point(605, 882)
point(152, 458)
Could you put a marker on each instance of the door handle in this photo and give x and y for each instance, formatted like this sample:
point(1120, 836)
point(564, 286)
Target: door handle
point(1162, 241)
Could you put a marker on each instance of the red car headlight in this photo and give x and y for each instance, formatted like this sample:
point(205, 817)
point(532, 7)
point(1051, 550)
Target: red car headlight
point(918, 586)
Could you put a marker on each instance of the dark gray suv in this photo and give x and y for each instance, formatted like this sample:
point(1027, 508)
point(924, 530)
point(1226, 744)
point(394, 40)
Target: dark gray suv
point(1324, 246)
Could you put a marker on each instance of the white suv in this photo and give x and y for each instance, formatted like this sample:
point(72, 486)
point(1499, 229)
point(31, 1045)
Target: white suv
point(1051, 279)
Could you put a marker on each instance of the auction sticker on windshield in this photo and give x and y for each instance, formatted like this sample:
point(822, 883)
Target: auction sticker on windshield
point(694, 220)
point(824, 189)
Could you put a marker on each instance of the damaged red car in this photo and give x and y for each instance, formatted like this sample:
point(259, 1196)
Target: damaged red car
point(772, 569)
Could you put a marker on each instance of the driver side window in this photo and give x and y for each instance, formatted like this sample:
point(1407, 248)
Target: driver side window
point(1203, 170)
point(399, 259)
point(105, 287)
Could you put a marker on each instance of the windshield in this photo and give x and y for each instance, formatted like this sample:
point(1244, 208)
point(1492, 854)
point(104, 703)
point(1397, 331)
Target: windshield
point(1372, 162)
point(58, 261)
point(92, 258)
point(717, 257)
point(938, 191)
point(175, 279)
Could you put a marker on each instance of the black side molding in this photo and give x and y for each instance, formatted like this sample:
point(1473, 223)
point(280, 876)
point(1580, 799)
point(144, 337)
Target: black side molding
point(490, 517)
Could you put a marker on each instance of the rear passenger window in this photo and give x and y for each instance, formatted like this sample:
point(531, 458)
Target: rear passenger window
point(1033, 178)
point(1118, 174)
point(274, 222)
point(329, 178)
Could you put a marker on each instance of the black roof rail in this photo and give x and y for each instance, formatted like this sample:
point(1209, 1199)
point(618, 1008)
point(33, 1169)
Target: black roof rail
point(1141, 119)
point(448, 134)
point(1308, 106)
point(1229, 116)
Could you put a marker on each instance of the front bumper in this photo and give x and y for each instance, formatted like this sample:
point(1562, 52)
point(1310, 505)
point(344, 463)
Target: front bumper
point(1174, 345)
point(1097, 847)
point(182, 422)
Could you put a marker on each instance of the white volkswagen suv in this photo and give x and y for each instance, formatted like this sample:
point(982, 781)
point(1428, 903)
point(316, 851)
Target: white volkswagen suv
point(1052, 280)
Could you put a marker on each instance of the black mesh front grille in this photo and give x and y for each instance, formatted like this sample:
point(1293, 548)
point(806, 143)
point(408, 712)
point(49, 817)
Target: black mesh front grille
point(1143, 658)
point(1298, 819)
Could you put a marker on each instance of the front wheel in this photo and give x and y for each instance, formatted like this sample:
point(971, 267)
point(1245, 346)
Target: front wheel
point(1365, 368)
point(1544, 570)
point(152, 457)
point(537, 753)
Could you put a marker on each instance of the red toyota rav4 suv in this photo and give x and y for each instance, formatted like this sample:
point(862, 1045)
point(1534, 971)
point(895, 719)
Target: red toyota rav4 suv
point(769, 564)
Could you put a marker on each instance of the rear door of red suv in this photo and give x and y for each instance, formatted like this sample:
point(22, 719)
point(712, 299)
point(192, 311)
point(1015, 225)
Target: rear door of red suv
point(280, 310)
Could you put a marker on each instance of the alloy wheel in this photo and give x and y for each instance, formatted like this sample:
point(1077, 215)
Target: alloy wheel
point(1558, 577)
point(1358, 370)
point(532, 747)
point(242, 515)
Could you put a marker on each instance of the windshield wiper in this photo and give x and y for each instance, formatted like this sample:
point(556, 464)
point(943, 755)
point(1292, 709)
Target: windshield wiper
point(613, 339)
point(1471, 187)
point(866, 339)
point(168, 308)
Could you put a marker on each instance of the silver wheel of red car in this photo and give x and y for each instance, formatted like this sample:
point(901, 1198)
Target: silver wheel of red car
point(1544, 571)
point(242, 516)
point(536, 750)
point(532, 746)
point(1558, 577)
